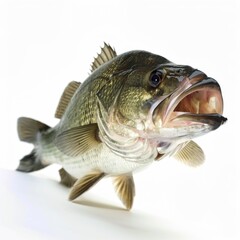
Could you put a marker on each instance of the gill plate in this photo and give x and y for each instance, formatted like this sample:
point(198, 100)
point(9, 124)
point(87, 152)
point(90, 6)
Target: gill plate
point(128, 145)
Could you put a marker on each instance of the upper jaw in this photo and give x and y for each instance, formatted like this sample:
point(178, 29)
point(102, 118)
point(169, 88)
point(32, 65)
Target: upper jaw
point(197, 102)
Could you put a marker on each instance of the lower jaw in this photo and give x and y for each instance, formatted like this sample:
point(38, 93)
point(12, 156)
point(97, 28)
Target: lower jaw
point(214, 120)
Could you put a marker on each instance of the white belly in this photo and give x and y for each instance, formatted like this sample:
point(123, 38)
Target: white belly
point(100, 159)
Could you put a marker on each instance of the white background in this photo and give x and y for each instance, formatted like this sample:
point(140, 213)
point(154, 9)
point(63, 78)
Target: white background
point(46, 44)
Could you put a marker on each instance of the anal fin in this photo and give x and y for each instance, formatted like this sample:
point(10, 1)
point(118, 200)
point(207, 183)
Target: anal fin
point(125, 188)
point(66, 178)
point(85, 183)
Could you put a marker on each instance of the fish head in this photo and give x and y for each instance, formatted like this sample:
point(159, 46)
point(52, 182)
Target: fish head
point(167, 105)
point(190, 105)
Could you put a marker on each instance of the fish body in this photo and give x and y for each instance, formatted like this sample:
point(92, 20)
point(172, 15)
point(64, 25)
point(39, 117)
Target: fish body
point(133, 109)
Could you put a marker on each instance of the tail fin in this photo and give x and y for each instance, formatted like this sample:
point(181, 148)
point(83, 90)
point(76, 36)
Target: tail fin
point(30, 163)
point(28, 130)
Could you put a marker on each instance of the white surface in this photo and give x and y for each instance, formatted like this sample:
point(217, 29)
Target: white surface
point(46, 44)
point(37, 208)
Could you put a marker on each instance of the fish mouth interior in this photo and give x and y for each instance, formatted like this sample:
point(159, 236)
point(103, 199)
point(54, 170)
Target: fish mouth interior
point(201, 101)
point(193, 109)
point(197, 101)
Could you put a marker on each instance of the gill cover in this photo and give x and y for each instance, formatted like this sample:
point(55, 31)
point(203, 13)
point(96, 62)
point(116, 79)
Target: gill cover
point(123, 140)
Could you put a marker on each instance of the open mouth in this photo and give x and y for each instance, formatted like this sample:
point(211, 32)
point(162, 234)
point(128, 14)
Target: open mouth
point(202, 101)
point(195, 103)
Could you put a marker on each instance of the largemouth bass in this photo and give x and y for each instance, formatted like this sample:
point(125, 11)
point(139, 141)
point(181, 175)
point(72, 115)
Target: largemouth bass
point(133, 109)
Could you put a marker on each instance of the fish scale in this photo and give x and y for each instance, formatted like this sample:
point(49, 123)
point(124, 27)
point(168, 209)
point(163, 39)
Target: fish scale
point(101, 158)
point(133, 109)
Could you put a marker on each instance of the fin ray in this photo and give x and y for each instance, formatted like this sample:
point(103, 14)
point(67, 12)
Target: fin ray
point(125, 188)
point(66, 98)
point(85, 183)
point(107, 53)
point(190, 154)
point(28, 129)
point(78, 140)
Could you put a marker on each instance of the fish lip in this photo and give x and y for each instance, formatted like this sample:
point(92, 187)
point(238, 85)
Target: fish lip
point(214, 120)
point(179, 109)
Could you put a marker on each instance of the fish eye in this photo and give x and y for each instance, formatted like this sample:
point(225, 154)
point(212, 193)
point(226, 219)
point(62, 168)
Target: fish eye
point(155, 79)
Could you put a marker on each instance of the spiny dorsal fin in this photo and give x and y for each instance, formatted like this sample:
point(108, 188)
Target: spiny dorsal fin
point(66, 178)
point(78, 140)
point(107, 53)
point(190, 154)
point(65, 98)
point(29, 128)
point(83, 184)
point(125, 188)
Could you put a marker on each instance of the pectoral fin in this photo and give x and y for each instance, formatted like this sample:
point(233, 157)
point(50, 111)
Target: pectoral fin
point(190, 154)
point(78, 140)
point(125, 188)
point(85, 183)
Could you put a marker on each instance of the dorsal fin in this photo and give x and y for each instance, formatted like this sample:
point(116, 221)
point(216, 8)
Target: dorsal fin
point(65, 98)
point(107, 53)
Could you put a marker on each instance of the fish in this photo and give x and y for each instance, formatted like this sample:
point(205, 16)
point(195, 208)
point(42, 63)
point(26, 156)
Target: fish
point(132, 110)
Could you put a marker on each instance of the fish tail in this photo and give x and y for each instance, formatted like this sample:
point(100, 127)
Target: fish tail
point(30, 130)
